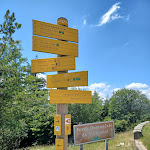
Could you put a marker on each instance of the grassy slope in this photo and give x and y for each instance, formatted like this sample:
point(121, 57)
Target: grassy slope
point(126, 138)
point(146, 136)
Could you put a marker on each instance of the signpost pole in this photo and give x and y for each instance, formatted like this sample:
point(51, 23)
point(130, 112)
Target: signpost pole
point(62, 109)
point(81, 145)
point(106, 144)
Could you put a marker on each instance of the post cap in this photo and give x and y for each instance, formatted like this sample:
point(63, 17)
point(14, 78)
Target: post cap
point(62, 21)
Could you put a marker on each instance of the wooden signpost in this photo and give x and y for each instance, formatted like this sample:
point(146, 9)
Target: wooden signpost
point(93, 132)
point(54, 46)
point(52, 64)
point(62, 124)
point(55, 31)
point(59, 144)
point(70, 97)
point(57, 124)
point(67, 124)
point(67, 79)
point(66, 53)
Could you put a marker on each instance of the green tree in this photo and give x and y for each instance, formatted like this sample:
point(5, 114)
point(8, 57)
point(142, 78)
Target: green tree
point(20, 92)
point(129, 105)
point(86, 113)
point(105, 113)
point(11, 75)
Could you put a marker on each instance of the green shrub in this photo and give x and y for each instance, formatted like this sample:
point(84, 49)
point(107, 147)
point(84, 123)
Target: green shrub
point(120, 125)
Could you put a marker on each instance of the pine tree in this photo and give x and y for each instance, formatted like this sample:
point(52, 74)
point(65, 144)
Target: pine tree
point(20, 91)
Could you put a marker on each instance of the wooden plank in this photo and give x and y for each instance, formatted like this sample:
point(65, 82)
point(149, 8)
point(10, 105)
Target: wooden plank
point(93, 132)
point(55, 31)
point(70, 96)
point(67, 79)
point(54, 46)
point(53, 64)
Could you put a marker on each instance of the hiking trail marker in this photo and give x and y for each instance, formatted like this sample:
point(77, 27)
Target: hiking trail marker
point(57, 125)
point(52, 64)
point(67, 79)
point(54, 46)
point(59, 144)
point(67, 124)
point(55, 31)
point(70, 97)
point(51, 38)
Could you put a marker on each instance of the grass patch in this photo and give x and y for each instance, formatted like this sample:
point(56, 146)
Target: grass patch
point(146, 136)
point(126, 138)
point(47, 147)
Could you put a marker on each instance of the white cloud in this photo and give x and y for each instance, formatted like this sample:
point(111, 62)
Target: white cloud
point(74, 26)
point(128, 18)
point(84, 88)
point(110, 15)
point(104, 89)
point(40, 75)
point(84, 22)
point(136, 86)
point(116, 16)
point(101, 88)
point(146, 92)
point(101, 85)
point(126, 44)
point(116, 89)
point(102, 95)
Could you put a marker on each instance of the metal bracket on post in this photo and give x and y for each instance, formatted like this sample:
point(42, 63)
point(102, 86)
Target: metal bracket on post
point(81, 145)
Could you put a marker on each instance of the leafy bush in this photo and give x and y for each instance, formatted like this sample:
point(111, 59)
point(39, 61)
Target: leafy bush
point(120, 125)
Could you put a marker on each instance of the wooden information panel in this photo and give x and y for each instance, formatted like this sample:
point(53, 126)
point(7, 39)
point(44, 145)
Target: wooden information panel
point(53, 64)
point(93, 132)
point(70, 96)
point(54, 46)
point(55, 31)
point(67, 79)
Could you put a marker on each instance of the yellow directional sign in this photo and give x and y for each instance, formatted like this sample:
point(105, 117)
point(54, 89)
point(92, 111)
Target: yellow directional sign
point(59, 144)
point(53, 64)
point(57, 124)
point(54, 46)
point(70, 96)
point(67, 124)
point(67, 79)
point(55, 31)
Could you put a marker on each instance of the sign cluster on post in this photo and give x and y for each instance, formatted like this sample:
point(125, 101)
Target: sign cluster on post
point(66, 53)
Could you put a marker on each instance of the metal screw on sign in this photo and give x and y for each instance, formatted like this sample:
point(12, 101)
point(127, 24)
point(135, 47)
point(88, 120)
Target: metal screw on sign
point(81, 145)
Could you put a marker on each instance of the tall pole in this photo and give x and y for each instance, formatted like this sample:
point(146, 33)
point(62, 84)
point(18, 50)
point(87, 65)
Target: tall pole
point(62, 109)
point(81, 145)
point(106, 144)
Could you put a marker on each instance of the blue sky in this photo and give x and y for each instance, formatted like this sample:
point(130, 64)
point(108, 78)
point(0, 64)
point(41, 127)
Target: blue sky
point(114, 38)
